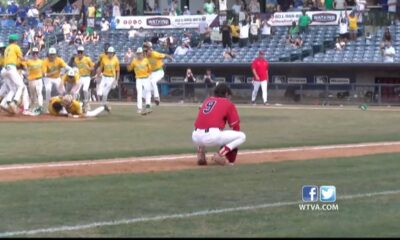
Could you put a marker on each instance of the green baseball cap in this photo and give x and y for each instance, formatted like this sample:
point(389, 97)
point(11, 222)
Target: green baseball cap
point(14, 37)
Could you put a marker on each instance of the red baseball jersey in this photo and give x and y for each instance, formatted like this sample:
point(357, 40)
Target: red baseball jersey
point(261, 67)
point(215, 112)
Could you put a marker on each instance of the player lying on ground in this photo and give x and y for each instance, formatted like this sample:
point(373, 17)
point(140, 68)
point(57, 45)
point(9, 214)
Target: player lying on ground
point(67, 106)
point(209, 131)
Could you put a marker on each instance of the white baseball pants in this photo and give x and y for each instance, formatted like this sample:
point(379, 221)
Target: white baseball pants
point(154, 78)
point(48, 85)
point(256, 85)
point(104, 88)
point(69, 88)
point(35, 91)
point(94, 112)
point(85, 82)
point(143, 87)
point(216, 137)
point(11, 73)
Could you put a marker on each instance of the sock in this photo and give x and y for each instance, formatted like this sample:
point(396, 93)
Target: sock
point(231, 156)
point(224, 150)
point(147, 106)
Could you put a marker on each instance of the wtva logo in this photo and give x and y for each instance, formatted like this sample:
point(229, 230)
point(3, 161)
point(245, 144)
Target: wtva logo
point(326, 193)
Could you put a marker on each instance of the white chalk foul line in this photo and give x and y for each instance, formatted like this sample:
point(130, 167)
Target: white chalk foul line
point(180, 216)
point(187, 156)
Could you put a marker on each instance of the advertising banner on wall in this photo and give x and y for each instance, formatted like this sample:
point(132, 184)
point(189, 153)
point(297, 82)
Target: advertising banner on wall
point(317, 17)
point(158, 21)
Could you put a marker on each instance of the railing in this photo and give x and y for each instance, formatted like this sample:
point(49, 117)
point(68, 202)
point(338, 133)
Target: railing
point(321, 94)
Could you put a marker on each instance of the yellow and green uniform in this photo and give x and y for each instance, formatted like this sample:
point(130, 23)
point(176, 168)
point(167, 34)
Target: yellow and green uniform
point(109, 66)
point(55, 65)
point(142, 68)
point(353, 23)
point(82, 65)
point(12, 55)
point(75, 108)
point(34, 68)
point(156, 60)
point(1, 61)
point(74, 80)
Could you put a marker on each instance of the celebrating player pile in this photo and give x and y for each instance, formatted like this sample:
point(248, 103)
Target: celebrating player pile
point(211, 120)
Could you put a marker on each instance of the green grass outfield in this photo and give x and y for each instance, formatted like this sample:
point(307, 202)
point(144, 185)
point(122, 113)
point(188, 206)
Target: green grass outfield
point(43, 204)
point(168, 131)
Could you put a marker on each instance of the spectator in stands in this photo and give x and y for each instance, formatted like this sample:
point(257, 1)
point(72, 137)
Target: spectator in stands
point(91, 14)
point(186, 11)
point(186, 38)
point(87, 38)
point(368, 38)
point(105, 25)
point(229, 54)
point(39, 40)
point(297, 42)
point(95, 37)
point(266, 29)
point(254, 29)
point(209, 81)
point(209, 7)
point(293, 30)
point(340, 43)
point(388, 53)
point(170, 44)
point(304, 22)
point(353, 25)
point(12, 8)
point(328, 5)
point(128, 56)
point(271, 5)
point(204, 32)
point(298, 5)
point(226, 35)
point(189, 88)
point(343, 28)
point(116, 9)
point(237, 7)
point(2, 10)
point(78, 39)
point(387, 38)
point(141, 33)
point(243, 34)
point(339, 4)
point(284, 5)
point(360, 9)
point(315, 6)
point(254, 6)
point(235, 31)
point(182, 50)
point(392, 8)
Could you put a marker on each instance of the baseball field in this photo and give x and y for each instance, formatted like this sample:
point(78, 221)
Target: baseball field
point(126, 175)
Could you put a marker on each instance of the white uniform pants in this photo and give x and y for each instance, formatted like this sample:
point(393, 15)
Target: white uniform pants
point(69, 88)
point(154, 78)
point(85, 82)
point(257, 84)
point(216, 137)
point(104, 88)
point(35, 91)
point(48, 85)
point(143, 87)
point(11, 73)
point(95, 112)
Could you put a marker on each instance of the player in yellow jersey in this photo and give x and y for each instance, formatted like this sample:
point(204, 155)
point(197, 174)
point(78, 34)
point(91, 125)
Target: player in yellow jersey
point(67, 106)
point(141, 66)
point(157, 71)
point(85, 66)
point(109, 70)
point(3, 86)
point(70, 83)
point(34, 68)
point(52, 66)
point(97, 65)
point(12, 58)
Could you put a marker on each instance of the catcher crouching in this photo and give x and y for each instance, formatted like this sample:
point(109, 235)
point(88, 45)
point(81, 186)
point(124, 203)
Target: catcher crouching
point(67, 106)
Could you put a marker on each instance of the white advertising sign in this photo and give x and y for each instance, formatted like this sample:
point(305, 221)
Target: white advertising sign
point(159, 21)
point(318, 18)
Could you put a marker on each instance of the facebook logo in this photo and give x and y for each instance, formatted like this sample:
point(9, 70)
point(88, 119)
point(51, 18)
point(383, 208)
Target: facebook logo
point(327, 193)
point(310, 193)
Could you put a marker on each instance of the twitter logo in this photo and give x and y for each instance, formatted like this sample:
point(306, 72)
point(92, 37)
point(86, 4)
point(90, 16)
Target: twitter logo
point(327, 193)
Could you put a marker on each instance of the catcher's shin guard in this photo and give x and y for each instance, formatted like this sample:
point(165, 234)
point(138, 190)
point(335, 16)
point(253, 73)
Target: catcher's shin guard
point(201, 156)
point(231, 156)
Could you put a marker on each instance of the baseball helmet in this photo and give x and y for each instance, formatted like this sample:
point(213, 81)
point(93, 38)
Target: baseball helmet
point(35, 50)
point(13, 37)
point(66, 100)
point(81, 48)
point(52, 50)
point(2, 45)
point(139, 50)
point(111, 50)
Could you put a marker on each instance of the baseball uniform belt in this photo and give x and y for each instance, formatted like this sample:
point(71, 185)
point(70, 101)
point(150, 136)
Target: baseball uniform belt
point(205, 130)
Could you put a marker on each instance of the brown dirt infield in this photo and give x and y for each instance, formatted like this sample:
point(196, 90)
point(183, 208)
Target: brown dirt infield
point(18, 172)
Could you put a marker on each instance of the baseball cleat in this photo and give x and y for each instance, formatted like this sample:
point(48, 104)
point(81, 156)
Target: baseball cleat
point(157, 101)
point(13, 106)
point(107, 108)
point(218, 159)
point(201, 156)
point(6, 109)
point(27, 113)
